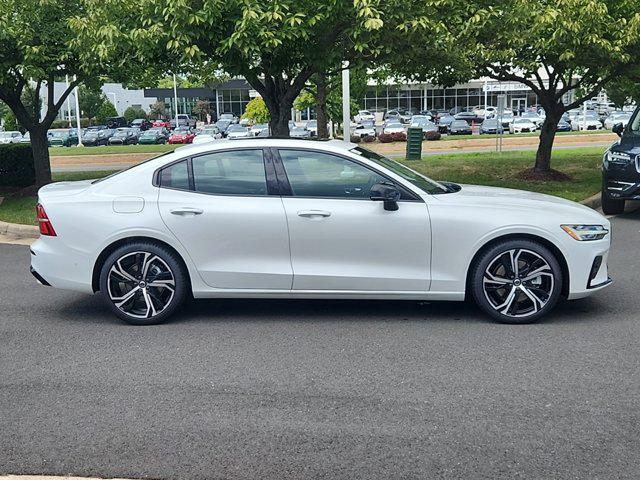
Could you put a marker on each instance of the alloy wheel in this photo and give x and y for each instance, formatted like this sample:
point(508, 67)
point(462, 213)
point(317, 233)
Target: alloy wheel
point(141, 284)
point(518, 283)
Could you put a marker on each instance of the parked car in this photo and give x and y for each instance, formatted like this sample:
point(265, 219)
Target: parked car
point(230, 117)
point(403, 116)
point(491, 126)
point(460, 127)
point(94, 138)
point(581, 123)
point(141, 123)
point(522, 125)
point(125, 136)
point(364, 116)
point(617, 117)
point(423, 122)
point(515, 253)
point(506, 118)
point(238, 131)
point(534, 117)
point(115, 122)
point(26, 138)
point(207, 134)
point(181, 135)
point(468, 117)
point(393, 125)
point(312, 127)
point(159, 123)
point(444, 122)
point(258, 128)
point(621, 167)
point(153, 136)
point(223, 125)
point(62, 137)
point(10, 137)
point(563, 126)
point(183, 121)
point(299, 132)
point(365, 129)
point(426, 113)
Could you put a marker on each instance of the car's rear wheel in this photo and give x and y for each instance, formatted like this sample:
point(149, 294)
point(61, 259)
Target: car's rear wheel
point(516, 281)
point(143, 283)
point(611, 206)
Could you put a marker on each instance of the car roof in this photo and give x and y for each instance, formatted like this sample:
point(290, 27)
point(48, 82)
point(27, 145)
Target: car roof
point(336, 146)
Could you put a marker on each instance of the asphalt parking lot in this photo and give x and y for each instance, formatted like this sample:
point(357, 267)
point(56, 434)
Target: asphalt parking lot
point(317, 389)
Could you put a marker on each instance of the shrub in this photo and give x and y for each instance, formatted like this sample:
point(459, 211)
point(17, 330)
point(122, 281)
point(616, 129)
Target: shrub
point(399, 137)
point(355, 139)
point(60, 124)
point(385, 138)
point(132, 113)
point(432, 135)
point(16, 165)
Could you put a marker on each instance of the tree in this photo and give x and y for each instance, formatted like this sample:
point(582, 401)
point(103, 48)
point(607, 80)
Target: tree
point(564, 51)
point(37, 47)
point(275, 46)
point(157, 110)
point(257, 111)
point(105, 111)
point(131, 113)
point(201, 109)
point(90, 101)
point(625, 90)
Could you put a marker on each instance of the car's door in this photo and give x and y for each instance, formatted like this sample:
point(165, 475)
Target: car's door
point(342, 240)
point(218, 205)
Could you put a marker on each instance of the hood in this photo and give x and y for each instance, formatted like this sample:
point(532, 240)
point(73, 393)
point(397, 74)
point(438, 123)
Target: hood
point(59, 189)
point(495, 197)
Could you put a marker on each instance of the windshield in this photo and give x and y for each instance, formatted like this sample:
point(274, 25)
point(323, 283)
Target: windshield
point(422, 182)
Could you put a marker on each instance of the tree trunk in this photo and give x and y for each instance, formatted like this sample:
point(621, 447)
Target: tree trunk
point(280, 117)
point(40, 148)
point(547, 136)
point(321, 106)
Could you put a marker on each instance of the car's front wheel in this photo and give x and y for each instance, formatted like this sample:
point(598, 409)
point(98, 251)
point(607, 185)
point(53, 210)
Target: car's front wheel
point(611, 206)
point(516, 281)
point(143, 283)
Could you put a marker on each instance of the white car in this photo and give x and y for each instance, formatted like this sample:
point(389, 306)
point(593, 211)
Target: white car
point(236, 131)
point(365, 130)
point(282, 218)
point(581, 123)
point(617, 117)
point(393, 126)
point(207, 133)
point(364, 116)
point(522, 125)
point(10, 137)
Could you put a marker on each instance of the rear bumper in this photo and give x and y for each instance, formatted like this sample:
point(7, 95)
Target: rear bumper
point(54, 264)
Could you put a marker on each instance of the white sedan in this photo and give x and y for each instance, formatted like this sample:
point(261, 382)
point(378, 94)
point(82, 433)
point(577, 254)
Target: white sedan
point(522, 125)
point(581, 123)
point(281, 218)
point(10, 137)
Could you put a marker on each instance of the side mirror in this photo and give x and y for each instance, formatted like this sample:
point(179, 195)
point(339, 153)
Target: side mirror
point(618, 128)
point(387, 193)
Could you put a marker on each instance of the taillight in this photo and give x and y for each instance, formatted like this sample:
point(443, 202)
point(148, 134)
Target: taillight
point(44, 223)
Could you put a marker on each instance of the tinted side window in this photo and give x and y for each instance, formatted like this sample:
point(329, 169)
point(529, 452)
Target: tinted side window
point(175, 176)
point(315, 174)
point(239, 172)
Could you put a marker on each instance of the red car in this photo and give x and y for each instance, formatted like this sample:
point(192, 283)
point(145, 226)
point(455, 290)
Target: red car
point(161, 123)
point(181, 135)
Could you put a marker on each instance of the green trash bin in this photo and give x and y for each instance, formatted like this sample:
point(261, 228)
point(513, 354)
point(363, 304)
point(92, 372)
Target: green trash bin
point(414, 143)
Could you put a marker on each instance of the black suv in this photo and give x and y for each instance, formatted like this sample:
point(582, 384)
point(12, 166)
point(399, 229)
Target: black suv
point(621, 167)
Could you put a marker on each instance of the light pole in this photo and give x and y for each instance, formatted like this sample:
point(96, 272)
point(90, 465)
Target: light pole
point(68, 103)
point(75, 94)
point(346, 104)
point(175, 97)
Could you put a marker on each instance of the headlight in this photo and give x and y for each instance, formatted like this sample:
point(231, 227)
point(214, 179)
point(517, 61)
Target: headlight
point(584, 233)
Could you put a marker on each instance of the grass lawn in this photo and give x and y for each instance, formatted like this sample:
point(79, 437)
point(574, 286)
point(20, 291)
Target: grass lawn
point(486, 168)
point(107, 150)
point(23, 209)
point(494, 169)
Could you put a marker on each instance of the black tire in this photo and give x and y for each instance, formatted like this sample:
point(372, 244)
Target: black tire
point(611, 206)
point(489, 295)
point(163, 268)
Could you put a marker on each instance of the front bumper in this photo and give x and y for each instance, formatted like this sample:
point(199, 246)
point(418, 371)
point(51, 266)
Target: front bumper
point(588, 270)
point(621, 178)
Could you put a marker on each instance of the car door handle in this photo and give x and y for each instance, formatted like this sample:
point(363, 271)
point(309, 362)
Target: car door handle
point(313, 213)
point(187, 211)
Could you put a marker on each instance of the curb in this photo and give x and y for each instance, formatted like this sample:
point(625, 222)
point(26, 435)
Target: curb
point(19, 231)
point(594, 201)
